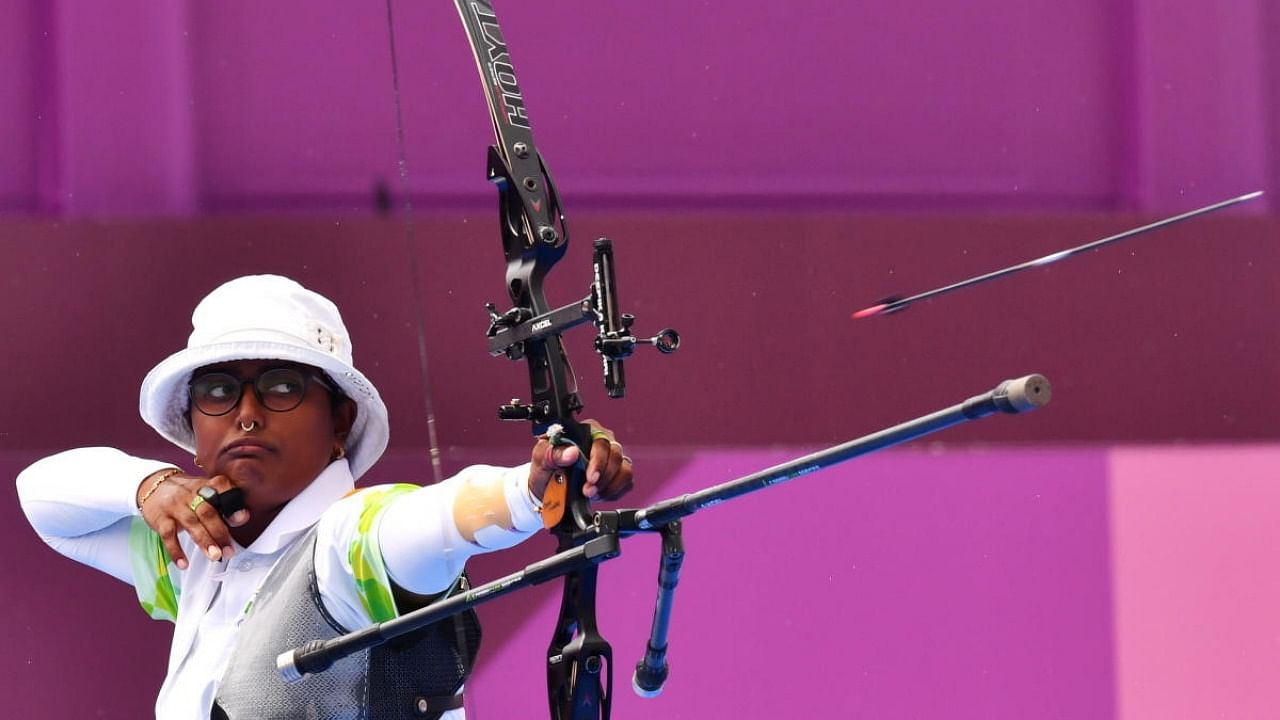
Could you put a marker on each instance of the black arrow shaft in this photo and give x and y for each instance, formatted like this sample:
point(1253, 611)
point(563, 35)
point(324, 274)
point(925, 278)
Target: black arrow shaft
point(1054, 257)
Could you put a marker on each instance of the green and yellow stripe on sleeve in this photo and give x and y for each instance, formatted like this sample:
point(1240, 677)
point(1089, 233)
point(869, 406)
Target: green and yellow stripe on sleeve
point(157, 591)
point(373, 585)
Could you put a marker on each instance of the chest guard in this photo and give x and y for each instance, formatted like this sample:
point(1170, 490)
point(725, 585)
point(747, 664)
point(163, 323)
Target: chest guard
point(413, 677)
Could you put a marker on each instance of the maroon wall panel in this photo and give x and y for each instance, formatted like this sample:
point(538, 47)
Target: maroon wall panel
point(1161, 339)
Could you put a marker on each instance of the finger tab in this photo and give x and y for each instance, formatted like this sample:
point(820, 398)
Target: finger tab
point(553, 501)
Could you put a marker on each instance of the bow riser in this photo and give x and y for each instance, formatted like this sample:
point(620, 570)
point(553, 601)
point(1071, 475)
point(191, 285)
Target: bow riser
point(535, 238)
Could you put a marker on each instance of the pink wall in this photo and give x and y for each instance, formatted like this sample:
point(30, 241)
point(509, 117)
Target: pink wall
point(1194, 545)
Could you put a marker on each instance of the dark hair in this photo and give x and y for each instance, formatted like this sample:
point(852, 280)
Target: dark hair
point(337, 398)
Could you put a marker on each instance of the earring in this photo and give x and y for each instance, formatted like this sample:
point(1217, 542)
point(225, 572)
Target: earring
point(196, 459)
point(340, 453)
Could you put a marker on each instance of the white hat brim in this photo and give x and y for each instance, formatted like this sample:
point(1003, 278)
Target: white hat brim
point(163, 399)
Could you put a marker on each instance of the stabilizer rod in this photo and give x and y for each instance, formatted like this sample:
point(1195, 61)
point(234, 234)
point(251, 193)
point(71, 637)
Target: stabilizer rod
point(1011, 396)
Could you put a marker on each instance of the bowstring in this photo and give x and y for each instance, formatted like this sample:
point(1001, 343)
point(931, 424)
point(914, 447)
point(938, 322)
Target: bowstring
point(414, 270)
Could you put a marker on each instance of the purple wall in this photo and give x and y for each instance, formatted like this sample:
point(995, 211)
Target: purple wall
point(139, 108)
point(1127, 583)
point(908, 585)
point(966, 584)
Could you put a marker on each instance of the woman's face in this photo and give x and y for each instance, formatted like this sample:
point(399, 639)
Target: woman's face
point(283, 452)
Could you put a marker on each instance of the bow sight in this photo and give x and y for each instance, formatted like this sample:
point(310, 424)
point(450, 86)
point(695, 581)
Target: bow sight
point(511, 332)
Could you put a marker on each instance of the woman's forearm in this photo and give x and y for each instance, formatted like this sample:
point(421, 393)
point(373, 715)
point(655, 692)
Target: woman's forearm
point(427, 536)
point(80, 503)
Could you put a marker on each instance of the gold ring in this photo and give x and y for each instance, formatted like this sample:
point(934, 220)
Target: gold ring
point(195, 503)
point(597, 434)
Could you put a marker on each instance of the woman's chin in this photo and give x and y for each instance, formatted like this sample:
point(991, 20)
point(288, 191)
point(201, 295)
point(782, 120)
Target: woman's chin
point(245, 472)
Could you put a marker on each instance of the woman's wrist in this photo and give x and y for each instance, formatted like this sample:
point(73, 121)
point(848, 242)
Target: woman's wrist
point(151, 483)
point(523, 504)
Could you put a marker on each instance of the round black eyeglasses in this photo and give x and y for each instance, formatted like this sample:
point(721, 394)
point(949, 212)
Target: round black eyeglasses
point(278, 390)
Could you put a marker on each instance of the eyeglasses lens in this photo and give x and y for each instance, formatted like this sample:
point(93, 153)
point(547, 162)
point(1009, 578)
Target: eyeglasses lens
point(281, 389)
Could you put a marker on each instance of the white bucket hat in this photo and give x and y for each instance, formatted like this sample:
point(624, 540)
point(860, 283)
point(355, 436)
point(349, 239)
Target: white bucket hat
point(265, 317)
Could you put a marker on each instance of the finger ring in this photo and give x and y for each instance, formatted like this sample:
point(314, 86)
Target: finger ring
point(203, 495)
point(597, 434)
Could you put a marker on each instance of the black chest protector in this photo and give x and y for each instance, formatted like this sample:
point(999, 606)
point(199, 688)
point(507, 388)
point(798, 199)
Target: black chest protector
point(412, 677)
